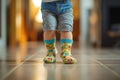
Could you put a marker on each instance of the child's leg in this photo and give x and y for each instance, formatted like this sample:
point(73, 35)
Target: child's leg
point(66, 27)
point(66, 45)
point(49, 28)
point(49, 35)
point(49, 40)
point(66, 35)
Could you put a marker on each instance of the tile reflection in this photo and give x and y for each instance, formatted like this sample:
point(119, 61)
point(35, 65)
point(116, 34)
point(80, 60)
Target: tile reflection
point(26, 63)
point(34, 72)
point(62, 72)
point(40, 72)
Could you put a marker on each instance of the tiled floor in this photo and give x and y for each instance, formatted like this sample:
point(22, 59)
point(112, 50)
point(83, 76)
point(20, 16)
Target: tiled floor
point(25, 63)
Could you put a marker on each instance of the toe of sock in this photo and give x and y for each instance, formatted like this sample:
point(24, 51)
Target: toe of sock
point(48, 59)
point(69, 60)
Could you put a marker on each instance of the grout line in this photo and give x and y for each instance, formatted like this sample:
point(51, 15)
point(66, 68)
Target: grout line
point(12, 70)
point(115, 73)
point(98, 58)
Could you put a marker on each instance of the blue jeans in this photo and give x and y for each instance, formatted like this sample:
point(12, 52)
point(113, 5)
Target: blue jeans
point(57, 16)
point(61, 22)
point(57, 7)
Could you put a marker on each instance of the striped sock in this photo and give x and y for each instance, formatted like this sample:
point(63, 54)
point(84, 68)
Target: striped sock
point(66, 45)
point(51, 51)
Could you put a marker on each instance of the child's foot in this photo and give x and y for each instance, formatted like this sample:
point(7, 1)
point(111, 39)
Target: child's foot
point(51, 56)
point(51, 53)
point(66, 54)
point(68, 59)
point(49, 59)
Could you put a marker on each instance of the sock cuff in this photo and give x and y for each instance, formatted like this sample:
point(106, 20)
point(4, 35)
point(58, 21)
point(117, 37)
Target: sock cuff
point(66, 40)
point(50, 41)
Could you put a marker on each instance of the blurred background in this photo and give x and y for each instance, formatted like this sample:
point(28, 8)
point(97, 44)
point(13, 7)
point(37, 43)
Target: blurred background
point(96, 22)
point(96, 42)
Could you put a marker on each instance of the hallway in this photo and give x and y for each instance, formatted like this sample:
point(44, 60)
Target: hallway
point(25, 63)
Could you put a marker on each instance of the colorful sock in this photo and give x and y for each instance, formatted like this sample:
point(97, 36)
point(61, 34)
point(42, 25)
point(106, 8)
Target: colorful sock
point(51, 51)
point(66, 51)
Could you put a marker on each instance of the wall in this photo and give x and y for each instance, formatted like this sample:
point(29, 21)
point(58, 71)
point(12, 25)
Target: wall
point(85, 6)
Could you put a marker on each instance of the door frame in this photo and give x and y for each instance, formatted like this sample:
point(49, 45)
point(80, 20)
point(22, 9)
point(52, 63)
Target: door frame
point(3, 23)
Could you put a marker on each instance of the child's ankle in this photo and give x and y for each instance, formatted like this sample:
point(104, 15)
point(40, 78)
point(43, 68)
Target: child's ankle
point(66, 45)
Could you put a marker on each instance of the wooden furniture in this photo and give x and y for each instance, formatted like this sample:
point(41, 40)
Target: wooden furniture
point(16, 23)
point(76, 29)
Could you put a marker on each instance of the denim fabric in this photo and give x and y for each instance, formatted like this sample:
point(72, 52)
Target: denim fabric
point(50, 0)
point(61, 22)
point(57, 7)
